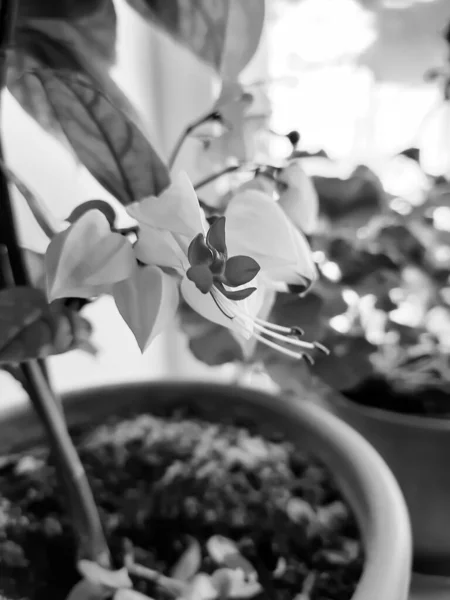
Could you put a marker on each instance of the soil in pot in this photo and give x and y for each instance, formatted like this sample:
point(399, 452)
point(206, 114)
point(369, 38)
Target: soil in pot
point(420, 386)
point(159, 482)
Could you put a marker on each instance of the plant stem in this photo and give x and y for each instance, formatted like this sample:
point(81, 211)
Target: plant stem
point(214, 176)
point(185, 134)
point(89, 528)
point(86, 519)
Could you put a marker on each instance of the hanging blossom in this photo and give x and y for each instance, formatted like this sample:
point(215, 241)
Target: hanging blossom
point(222, 270)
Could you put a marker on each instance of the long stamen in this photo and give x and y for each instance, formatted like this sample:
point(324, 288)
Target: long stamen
point(291, 353)
point(273, 326)
point(285, 339)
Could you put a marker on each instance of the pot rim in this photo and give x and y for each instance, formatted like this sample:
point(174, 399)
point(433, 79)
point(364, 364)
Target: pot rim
point(362, 475)
point(381, 414)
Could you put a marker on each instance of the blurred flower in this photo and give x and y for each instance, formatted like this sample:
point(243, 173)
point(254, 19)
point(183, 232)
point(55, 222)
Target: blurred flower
point(299, 200)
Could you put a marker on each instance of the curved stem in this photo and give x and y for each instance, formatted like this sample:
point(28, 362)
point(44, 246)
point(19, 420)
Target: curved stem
point(186, 133)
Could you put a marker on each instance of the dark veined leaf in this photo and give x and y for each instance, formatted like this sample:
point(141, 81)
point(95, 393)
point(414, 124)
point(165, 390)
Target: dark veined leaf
point(79, 101)
point(91, 35)
point(223, 33)
point(31, 328)
point(58, 9)
point(108, 142)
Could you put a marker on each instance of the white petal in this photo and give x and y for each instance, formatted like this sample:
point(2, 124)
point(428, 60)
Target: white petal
point(257, 226)
point(87, 257)
point(204, 304)
point(177, 209)
point(303, 270)
point(147, 301)
point(299, 200)
point(162, 248)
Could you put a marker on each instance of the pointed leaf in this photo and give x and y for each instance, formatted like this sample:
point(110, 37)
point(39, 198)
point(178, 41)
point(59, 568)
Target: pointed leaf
point(57, 9)
point(216, 236)
point(66, 94)
point(216, 346)
point(98, 575)
point(239, 270)
point(202, 277)
point(86, 590)
point(32, 328)
point(92, 33)
point(147, 301)
point(224, 33)
point(100, 205)
point(37, 206)
point(177, 209)
point(189, 563)
point(85, 257)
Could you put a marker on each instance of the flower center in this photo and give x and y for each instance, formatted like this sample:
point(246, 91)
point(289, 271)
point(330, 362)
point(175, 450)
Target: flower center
point(211, 267)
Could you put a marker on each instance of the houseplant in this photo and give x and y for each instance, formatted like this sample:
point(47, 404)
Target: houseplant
point(175, 248)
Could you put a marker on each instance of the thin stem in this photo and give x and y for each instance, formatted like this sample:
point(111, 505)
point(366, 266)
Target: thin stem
point(186, 133)
point(87, 522)
point(89, 528)
point(215, 176)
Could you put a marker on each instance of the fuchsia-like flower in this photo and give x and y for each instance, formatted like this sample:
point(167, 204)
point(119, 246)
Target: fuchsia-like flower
point(223, 270)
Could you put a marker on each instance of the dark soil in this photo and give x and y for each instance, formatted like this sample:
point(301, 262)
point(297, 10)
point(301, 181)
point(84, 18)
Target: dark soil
point(419, 387)
point(158, 481)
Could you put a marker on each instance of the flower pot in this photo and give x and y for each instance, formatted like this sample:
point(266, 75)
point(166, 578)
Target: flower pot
point(362, 476)
point(417, 450)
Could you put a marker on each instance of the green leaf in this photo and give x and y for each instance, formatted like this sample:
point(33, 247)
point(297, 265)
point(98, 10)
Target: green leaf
point(86, 590)
point(216, 346)
point(223, 33)
point(31, 328)
point(77, 100)
point(289, 310)
point(348, 362)
point(57, 9)
point(91, 34)
point(42, 215)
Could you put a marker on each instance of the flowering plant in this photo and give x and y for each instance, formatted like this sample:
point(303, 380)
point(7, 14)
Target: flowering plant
point(225, 265)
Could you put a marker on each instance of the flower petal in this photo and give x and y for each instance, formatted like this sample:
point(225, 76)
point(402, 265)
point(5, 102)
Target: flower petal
point(176, 210)
point(147, 301)
point(239, 270)
point(87, 257)
point(204, 304)
point(299, 200)
point(257, 227)
point(202, 277)
point(198, 251)
point(161, 248)
point(216, 235)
